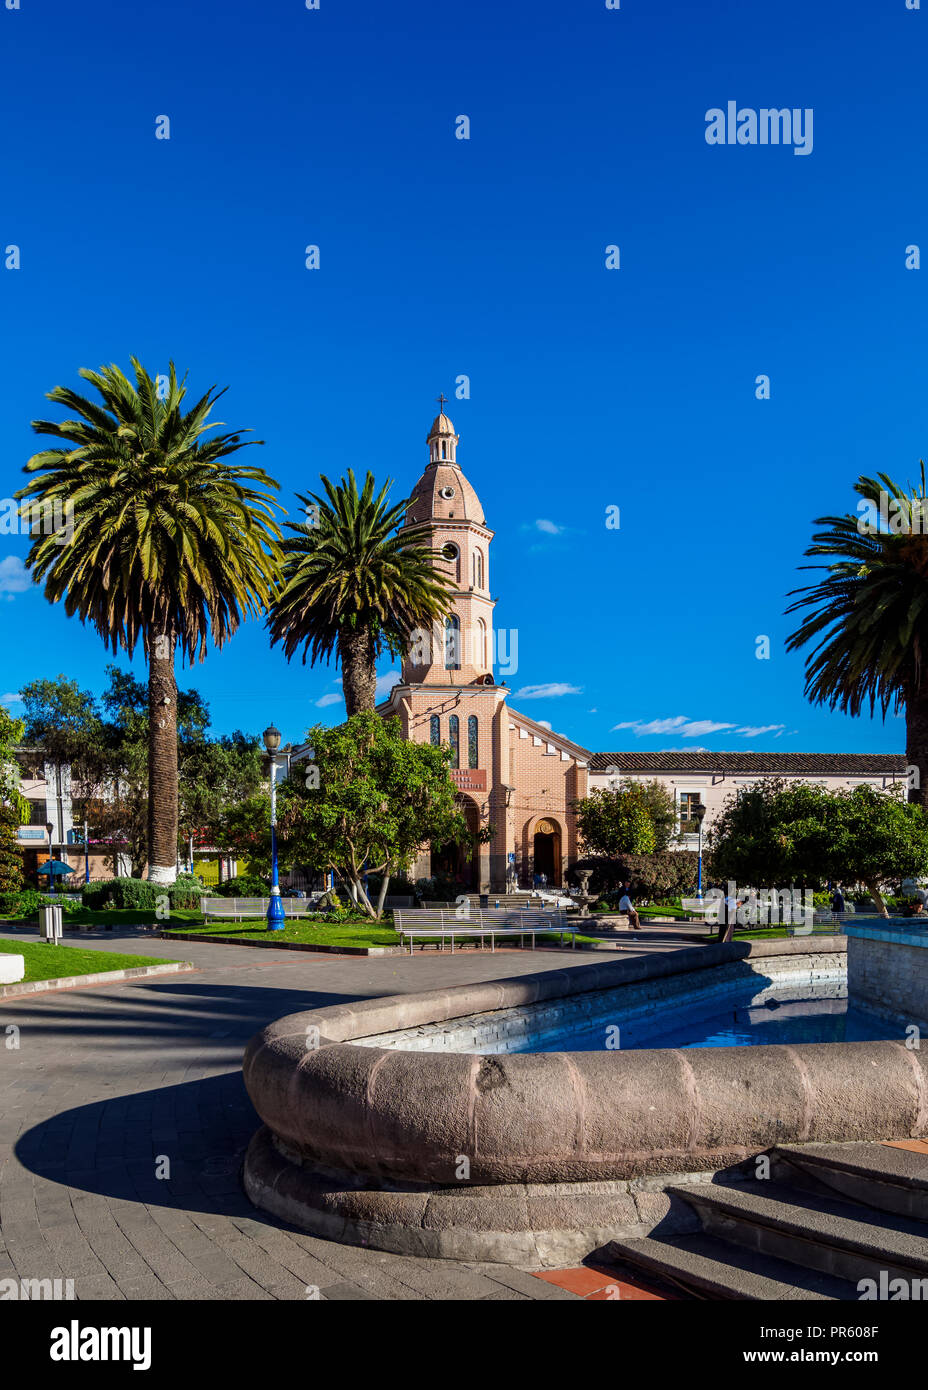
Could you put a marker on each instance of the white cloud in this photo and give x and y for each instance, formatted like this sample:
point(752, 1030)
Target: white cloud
point(543, 723)
point(593, 711)
point(685, 727)
point(324, 701)
point(386, 682)
point(14, 577)
point(550, 528)
point(679, 724)
point(15, 698)
point(549, 691)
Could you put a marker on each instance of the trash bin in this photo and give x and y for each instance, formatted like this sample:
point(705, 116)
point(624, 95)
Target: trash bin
point(50, 922)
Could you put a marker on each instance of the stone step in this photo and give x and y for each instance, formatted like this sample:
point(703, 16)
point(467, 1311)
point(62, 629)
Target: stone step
point(815, 1231)
point(891, 1179)
point(712, 1268)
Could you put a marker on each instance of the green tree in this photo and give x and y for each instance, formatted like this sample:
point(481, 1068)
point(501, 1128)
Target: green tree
point(379, 798)
point(11, 736)
point(868, 615)
point(12, 804)
point(772, 833)
point(614, 821)
point(662, 808)
point(216, 776)
point(354, 587)
point(172, 544)
point(777, 833)
point(11, 861)
point(877, 839)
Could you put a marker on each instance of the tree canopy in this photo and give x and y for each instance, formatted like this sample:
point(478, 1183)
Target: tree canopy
point(369, 800)
point(780, 833)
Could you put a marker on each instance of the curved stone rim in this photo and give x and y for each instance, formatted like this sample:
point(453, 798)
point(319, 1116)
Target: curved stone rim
point(567, 1117)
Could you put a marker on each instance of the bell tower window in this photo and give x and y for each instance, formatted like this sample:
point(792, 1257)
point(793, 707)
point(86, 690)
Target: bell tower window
point(452, 643)
point(454, 738)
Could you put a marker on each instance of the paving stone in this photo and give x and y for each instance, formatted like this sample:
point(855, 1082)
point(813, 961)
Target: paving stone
point(141, 1072)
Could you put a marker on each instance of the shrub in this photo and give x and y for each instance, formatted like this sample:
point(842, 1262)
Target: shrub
point(27, 902)
point(140, 894)
point(440, 889)
point(245, 886)
point(657, 877)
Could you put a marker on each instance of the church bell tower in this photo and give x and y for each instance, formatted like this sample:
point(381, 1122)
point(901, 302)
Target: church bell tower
point(445, 514)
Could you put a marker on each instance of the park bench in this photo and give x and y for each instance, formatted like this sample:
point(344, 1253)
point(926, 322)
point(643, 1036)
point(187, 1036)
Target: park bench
point(480, 923)
point(237, 909)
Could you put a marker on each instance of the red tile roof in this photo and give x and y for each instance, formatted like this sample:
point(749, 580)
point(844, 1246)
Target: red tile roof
point(818, 764)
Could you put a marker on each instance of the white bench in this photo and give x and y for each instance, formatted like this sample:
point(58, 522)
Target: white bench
point(236, 909)
point(482, 923)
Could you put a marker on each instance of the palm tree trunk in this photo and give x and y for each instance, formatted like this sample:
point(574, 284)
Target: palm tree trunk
point(916, 745)
point(359, 678)
point(162, 765)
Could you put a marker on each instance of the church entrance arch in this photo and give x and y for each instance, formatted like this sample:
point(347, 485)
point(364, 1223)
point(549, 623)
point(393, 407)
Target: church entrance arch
point(546, 851)
point(459, 861)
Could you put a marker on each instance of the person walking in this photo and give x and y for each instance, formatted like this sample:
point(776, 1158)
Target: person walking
point(837, 904)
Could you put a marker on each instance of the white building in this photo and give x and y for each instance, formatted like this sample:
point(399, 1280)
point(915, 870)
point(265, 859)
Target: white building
point(712, 777)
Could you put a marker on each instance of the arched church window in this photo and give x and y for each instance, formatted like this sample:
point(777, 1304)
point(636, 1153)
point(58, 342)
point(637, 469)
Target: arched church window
point(443, 447)
point(481, 644)
point(454, 738)
point(472, 749)
point(478, 569)
point(434, 730)
point(452, 643)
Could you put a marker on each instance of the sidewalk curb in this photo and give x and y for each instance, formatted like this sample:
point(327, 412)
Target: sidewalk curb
point(98, 977)
point(207, 940)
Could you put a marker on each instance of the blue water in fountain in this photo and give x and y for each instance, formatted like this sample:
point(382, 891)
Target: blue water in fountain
point(782, 1017)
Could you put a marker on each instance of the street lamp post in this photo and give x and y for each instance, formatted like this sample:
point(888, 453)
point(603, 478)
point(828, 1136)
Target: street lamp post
point(276, 917)
point(49, 830)
point(700, 817)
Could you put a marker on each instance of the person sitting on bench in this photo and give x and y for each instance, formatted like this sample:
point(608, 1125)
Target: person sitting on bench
point(626, 906)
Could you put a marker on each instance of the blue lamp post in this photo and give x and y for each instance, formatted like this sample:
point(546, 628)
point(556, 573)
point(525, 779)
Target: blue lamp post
point(700, 816)
point(276, 917)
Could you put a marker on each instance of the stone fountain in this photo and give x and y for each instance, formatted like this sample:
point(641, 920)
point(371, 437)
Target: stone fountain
point(584, 897)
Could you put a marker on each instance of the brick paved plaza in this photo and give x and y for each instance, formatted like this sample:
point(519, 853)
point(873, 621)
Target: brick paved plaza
point(107, 1078)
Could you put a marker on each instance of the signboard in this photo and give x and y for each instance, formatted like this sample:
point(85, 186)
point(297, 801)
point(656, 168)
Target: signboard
point(32, 832)
point(469, 779)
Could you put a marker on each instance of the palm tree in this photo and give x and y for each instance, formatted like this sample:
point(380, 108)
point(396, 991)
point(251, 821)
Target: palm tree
point(353, 587)
point(171, 543)
point(870, 612)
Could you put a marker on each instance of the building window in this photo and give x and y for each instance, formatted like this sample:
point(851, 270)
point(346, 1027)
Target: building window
point(478, 569)
point(482, 644)
point(443, 446)
point(36, 813)
point(454, 738)
point(452, 643)
point(434, 731)
point(689, 825)
point(472, 748)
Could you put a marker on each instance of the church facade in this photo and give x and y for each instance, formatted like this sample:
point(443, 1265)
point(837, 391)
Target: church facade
point(513, 774)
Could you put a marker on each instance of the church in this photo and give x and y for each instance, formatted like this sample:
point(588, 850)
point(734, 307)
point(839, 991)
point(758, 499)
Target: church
point(512, 773)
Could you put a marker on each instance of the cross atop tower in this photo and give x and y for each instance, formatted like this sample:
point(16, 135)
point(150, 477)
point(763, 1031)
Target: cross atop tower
point(441, 398)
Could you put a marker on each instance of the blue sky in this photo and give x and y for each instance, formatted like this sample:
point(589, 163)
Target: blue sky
point(441, 257)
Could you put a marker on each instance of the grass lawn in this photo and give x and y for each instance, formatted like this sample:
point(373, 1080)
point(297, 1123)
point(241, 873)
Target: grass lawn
point(655, 910)
point(322, 933)
point(114, 916)
point(47, 962)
